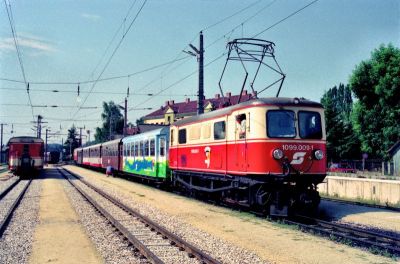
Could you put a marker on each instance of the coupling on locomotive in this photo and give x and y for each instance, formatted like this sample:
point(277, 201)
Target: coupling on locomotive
point(267, 154)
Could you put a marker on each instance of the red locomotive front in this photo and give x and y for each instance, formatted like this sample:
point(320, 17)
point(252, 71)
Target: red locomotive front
point(25, 155)
point(267, 151)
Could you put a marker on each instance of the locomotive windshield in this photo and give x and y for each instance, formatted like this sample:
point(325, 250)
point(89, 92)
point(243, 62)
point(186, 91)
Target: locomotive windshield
point(282, 124)
point(310, 125)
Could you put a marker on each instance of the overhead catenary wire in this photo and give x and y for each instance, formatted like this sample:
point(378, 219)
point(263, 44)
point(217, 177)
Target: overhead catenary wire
point(112, 55)
point(219, 57)
point(14, 34)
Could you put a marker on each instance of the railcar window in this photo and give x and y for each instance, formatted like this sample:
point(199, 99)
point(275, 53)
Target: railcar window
point(281, 124)
point(136, 149)
point(194, 133)
point(132, 149)
point(162, 147)
point(146, 148)
point(310, 125)
point(26, 148)
point(206, 131)
point(182, 136)
point(152, 148)
point(219, 130)
point(140, 148)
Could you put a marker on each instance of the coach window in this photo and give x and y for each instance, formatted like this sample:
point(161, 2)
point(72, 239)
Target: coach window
point(219, 130)
point(152, 148)
point(281, 124)
point(146, 148)
point(136, 149)
point(182, 136)
point(131, 149)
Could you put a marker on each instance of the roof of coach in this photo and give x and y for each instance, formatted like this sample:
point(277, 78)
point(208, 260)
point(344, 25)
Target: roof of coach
point(158, 131)
point(112, 142)
point(92, 146)
point(25, 139)
point(272, 101)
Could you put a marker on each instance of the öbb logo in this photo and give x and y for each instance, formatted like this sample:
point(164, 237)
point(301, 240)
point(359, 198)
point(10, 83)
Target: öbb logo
point(298, 158)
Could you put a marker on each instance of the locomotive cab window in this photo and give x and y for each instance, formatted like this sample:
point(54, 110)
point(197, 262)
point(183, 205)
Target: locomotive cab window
point(310, 125)
point(281, 124)
point(219, 130)
point(182, 136)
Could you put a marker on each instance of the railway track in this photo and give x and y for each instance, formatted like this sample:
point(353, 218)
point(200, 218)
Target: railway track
point(10, 198)
point(151, 240)
point(351, 235)
point(391, 208)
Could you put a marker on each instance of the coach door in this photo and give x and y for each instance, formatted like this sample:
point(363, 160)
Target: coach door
point(161, 156)
point(241, 124)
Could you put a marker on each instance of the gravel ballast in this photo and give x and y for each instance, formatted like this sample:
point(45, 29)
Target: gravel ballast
point(16, 242)
point(229, 236)
point(111, 246)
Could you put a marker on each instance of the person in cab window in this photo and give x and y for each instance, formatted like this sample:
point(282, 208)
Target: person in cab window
point(241, 120)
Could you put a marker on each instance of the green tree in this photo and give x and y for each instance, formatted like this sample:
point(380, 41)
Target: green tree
point(376, 84)
point(72, 142)
point(342, 142)
point(113, 122)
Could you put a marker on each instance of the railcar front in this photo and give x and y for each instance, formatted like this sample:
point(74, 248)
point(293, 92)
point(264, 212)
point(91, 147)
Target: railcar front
point(265, 153)
point(26, 155)
point(146, 154)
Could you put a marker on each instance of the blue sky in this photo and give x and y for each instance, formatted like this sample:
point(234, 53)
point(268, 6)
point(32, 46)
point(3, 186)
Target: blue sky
point(63, 41)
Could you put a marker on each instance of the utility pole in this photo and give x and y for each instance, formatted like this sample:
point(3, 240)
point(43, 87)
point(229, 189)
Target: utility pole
point(88, 132)
point(39, 126)
point(199, 54)
point(80, 137)
point(200, 103)
point(45, 152)
point(125, 115)
point(1, 144)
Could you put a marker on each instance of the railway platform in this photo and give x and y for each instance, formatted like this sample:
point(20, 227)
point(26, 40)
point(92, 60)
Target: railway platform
point(59, 236)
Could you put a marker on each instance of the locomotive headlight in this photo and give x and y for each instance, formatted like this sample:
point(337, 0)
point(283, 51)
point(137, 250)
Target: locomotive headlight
point(318, 154)
point(277, 154)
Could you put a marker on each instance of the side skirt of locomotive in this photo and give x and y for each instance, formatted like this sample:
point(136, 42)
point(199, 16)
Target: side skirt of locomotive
point(277, 196)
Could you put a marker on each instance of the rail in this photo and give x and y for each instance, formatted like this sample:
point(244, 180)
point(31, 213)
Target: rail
point(4, 223)
point(191, 250)
point(359, 236)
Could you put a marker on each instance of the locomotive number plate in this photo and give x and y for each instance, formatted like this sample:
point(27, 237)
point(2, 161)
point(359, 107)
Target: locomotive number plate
point(297, 147)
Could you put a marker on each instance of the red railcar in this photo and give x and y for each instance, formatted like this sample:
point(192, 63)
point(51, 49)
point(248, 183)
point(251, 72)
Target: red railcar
point(267, 151)
point(25, 155)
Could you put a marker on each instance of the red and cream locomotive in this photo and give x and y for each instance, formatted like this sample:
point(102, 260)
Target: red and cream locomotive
point(25, 155)
point(266, 153)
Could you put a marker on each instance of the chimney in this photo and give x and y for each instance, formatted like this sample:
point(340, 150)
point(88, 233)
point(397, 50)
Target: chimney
point(217, 96)
point(228, 95)
point(244, 92)
point(167, 103)
point(187, 100)
point(171, 102)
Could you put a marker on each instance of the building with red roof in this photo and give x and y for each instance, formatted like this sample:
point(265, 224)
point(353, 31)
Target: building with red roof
point(171, 111)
